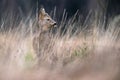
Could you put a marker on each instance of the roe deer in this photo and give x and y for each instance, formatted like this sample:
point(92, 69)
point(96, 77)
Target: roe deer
point(41, 39)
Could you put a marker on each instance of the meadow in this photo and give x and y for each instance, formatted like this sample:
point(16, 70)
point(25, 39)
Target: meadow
point(79, 51)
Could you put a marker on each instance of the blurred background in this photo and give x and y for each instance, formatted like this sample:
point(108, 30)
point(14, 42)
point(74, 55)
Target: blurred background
point(109, 8)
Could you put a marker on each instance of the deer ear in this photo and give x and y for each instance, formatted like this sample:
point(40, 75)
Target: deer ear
point(42, 13)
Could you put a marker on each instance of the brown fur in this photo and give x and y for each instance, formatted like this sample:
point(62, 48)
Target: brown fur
point(45, 23)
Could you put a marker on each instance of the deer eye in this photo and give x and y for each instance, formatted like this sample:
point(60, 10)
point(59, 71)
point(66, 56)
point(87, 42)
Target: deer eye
point(48, 19)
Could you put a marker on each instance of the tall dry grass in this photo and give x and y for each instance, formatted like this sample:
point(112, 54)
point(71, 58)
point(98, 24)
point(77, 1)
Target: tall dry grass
point(79, 52)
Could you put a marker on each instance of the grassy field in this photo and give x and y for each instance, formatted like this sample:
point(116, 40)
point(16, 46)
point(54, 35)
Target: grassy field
point(80, 52)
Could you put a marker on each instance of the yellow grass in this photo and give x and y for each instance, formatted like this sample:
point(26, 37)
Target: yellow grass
point(91, 54)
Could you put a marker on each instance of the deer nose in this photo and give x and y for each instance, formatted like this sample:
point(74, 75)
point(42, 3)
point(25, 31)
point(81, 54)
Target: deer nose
point(55, 24)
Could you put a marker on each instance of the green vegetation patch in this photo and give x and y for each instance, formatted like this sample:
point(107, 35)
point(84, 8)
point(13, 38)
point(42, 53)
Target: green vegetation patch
point(29, 59)
point(81, 52)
